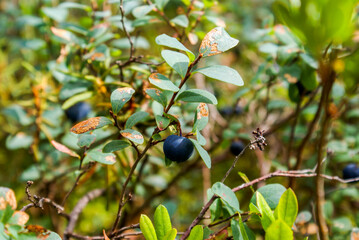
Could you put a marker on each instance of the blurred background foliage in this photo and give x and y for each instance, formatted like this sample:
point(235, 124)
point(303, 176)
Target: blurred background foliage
point(54, 54)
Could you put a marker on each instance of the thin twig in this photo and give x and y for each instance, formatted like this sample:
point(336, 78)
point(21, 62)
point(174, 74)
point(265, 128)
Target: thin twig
point(81, 204)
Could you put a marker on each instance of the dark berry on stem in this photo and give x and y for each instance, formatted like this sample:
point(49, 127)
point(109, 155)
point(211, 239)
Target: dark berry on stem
point(237, 147)
point(78, 111)
point(177, 148)
point(350, 171)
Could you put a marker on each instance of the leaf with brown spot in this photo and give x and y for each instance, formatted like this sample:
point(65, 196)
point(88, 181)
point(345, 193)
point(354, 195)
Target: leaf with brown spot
point(157, 95)
point(19, 218)
point(90, 124)
point(120, 97)
point(216, 41)
point(61, 33)
point(162, 82)
point(201, 117)
point(104, 158)
point(64, 149)
point(133, 136)
point(7, 196)
point(162, 122)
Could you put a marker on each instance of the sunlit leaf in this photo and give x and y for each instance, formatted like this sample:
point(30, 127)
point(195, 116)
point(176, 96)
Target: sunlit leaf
point(157, 95)
point(147, 228)
point(178, 61)
point(226, 193)
point(197, 95)
point(216, 42)
point(120, 97)
point(104, 158)
point(222, 73)
point(162, 82)
point(165, 40)
point(202, 152)
point(90, 124)
point(132, 135)
point(64, 149)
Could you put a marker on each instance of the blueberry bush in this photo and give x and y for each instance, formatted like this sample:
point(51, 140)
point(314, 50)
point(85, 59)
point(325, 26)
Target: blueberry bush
point(179, 119)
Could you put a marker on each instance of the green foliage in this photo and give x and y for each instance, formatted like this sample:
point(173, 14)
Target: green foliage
point(143, 86)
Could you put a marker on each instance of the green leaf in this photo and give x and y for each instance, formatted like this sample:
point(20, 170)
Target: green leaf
point(171, 235)
point(216, 42)
point(271, 193)
point(196, 233)
point(203, 153)
point(279, 230)
point(86, 139)
point(222, 73)
point(287, 208)
point(162, 122)
point(161, 3)
point(72, 88)
point(74, 5)
point(8, 212)
point(133, 136)
point(215, 208)
point(197, 95)
point(180, 20)
point(162, 82)
point(56, 13)
point(77, 98)
point(201, 117)
point(142, 11)
point(20, 140)
point(157, 95)
point(90, 124)
point(178, 61)
point(147, 228)
point(226, 194)
point(115, 145)
point(119, 97)
point(135, 118)
point(104, 158)
point(238, 230)
point(267, 215)
point(165, 40)
point(200, 139)
point(162, 222)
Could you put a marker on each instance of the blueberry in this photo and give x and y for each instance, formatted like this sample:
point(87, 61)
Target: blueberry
point(177, 148)
point(78, 111)
point(350, 171)
point(237, 147)
point(228, 111)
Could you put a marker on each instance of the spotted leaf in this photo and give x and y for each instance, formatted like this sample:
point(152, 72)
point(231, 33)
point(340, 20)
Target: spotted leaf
point(216, 42)
point(162, 122)
point(120, 97)
point(104, 158)
point(19, 218)
point(157, 95)
point(90, 124)
point(7, 196)
point(162, 82)
point(201, 117)
point(132, 135)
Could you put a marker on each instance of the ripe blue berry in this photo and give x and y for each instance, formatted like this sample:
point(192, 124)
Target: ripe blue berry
point(237, 147)
point(177, 148)
point(78, 111)
point(350, 171)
